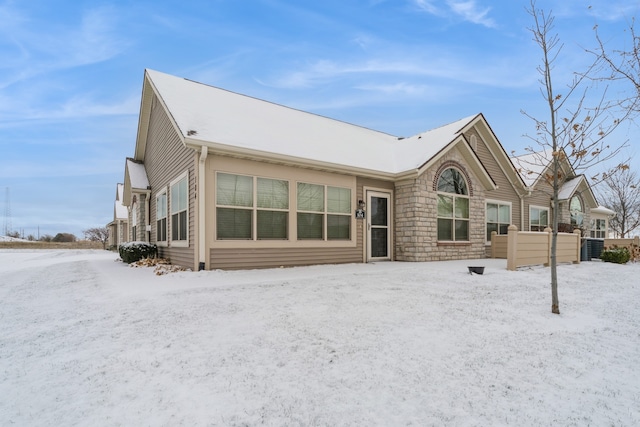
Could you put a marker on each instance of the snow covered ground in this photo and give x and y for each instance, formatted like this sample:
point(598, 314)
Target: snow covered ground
point(85, 340)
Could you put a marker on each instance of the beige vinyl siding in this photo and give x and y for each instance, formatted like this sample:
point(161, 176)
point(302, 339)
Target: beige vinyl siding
point(505, 191)
point(166, 158)
point(240, 258)
point(537, 199)
point(244, 254)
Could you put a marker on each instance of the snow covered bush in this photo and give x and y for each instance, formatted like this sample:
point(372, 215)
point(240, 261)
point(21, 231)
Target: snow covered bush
point(135, 251)
point(617, 255)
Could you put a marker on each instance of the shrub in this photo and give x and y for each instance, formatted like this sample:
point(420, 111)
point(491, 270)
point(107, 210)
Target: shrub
point(135, 251)
point(617, 255)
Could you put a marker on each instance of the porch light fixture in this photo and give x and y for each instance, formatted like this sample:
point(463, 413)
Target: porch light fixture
point(361, 204)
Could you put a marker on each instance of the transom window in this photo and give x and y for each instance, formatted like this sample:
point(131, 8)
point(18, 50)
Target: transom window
point(498, 218)
point(538, 218)
point(321, 208)
point(576, 210)
point(161, 217)
point(250, 208)
point(453, 206)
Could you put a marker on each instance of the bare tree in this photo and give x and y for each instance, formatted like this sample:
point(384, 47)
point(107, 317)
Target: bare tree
point(623, 65)
point(572, 132)
point(97, 234)
point(621, 193)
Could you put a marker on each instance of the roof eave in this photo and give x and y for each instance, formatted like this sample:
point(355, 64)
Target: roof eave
point(248, 153)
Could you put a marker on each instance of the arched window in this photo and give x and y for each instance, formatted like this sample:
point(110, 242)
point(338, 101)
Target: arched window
point(576, 210)
point(453, 206)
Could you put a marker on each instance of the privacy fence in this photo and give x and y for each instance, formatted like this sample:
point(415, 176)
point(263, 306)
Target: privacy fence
point(522, 248)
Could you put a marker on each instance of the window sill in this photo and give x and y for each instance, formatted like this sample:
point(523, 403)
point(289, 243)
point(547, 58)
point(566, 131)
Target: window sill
point(452, 243)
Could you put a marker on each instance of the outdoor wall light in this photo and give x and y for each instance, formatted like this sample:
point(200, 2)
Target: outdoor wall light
point(361, 204)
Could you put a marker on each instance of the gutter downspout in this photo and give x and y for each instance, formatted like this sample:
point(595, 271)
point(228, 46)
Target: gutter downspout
point(202, 234)
point(522, 212)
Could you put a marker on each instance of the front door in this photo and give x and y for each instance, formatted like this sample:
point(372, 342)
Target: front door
point(378, 226)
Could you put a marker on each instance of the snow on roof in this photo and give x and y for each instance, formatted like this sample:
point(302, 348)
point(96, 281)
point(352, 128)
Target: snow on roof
point(569, 188)
point(137, 174)
point(119, 210)
point(119, 191)
point(214, 115)
point(602, 210)
point(530, 166)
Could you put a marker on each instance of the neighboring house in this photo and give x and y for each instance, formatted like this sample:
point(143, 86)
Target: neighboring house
point(599, 225)
point(578, 205)
point(136, 198)
point(223, 180)
point(119, 227)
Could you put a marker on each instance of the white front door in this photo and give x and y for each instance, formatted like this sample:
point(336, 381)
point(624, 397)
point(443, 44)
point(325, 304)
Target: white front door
point(378, 226)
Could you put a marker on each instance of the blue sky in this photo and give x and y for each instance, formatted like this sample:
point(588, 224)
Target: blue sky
point(71, 76)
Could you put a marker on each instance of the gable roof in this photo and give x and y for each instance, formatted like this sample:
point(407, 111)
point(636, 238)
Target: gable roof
point(119, 210)
point(135, 178)
point(531, 166)
point(577, 185)
point(234, 124)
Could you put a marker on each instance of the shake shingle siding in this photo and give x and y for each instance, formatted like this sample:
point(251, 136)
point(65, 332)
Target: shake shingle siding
point(166, 158)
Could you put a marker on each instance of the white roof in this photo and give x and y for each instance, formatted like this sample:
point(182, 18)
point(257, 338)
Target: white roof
point(120, 210)
point(212, 115)
point(530, 166)
point(137, 174)
point(602, 210)
point(569, 188)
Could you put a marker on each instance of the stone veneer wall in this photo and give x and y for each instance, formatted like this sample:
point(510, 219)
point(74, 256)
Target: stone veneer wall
point(416, 232)
point(565, 215)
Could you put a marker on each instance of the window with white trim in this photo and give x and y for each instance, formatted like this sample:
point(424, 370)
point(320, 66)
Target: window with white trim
point(599, 228)
point(134, 220)
point(538, 218)
point(179, 193)
point(240, 199)
point(323, 208)
point(453, 206)
point(161, 216)
point(498, 217)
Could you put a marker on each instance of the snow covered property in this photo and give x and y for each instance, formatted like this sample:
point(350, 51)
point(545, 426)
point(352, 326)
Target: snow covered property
point(87, 341)
point(220, 180)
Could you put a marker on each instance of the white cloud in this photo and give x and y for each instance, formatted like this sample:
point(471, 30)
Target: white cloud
point(471, 12)
point(428, 6)
point(498, 72)
point(39, 47)
point(468, 10)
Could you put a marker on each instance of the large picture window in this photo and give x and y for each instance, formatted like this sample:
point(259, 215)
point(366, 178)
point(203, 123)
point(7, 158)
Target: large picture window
point(161, 217)
point(453, 206)
point(323, 208)
point(179, 202)
point(498, 218)
point(538, 218)
point(240, 199)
